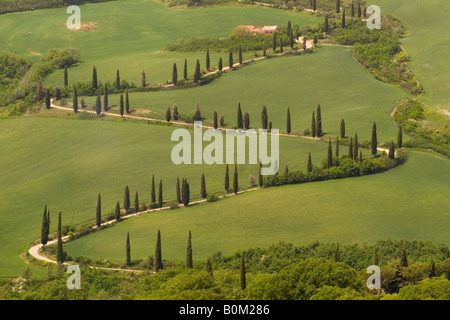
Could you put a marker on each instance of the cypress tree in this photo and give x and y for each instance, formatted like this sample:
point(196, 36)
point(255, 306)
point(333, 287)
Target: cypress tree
point(160, 194)
point(391, 154)
point(274, 42)
point(185, 193)
point(175, 112)
point(326, 27)
point(98, 214)
point(117, 80)
point(185, 70)
point(291, 39)
point(174, 74)
point(215, 120)
point(260, 177)
point(126, 199)
point(264, 52)
point(352, 10)
point(227, 179)
point(40, 90)
point(365, 12)
point(94, 79)
point(75, 100)
point(240, 55)
point(242, 272)
point(337, 146)
point(235, 180)
point(288, 28)
point(197, 114)
point(304, 43)
point(343, 19)
point(143, 79)
point(44, 235)
point(136, 202)
point(47, 99)
point(122, 108)
point(355, 147)
point(208, 62)
point(117, 211)
point(399, 137)
point(222, 120)
point(288, 121)
point(60, 256)
point(57, 92)
point(314, 5)
point(309, 165)
point(269, 128)
point(168, 115)
point(338, 6)
point(203, 187)
point(359, 8)
point(404, 259)
point(315, 39)
point(360, 156)
point(342, 131)
point(105, 99)
point(318, 122)
point(208, 268)
point(432, 269)
point(98, 105)
point(127, 103)
point(178, 191)
point(246, 121)
point(240, 121)
point(66, 78)
point(375, 258)
point(189, 262)
point(374, 142)
point(220, 64)
point(83, 104)
point(197, 72)
point(128, 250)
point(183, 190)
point(264, 117)
point(313, 125)
point(350, 149)
point(230, 60)
point(337, 254)
point(329, 155)
point(158, 265)
point(281, 44)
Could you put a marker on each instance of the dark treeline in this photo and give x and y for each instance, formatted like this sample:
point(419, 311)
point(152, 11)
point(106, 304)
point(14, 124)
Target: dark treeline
point(26, 5)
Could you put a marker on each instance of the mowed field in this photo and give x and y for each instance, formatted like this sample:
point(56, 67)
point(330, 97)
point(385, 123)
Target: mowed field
point(330, 76)
point(427, 43)
point(356, 210)
point(129, 35)
point(65, 164)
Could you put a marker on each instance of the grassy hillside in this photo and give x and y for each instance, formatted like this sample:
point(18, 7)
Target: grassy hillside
point(66, 163)
point(427, 43)
point(330, 77)
point(388, 205)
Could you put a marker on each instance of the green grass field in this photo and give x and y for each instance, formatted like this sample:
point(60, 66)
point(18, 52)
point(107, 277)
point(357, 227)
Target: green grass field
point(65, 163)
point(428, 44)
point(344, 89)
point(356, 210)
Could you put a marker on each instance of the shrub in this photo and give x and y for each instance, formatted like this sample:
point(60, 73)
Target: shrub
point(212, 197)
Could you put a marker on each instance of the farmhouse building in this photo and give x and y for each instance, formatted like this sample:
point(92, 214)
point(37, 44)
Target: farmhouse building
point(261, 29)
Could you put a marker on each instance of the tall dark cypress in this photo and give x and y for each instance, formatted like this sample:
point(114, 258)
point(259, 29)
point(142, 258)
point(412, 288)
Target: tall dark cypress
point(391, 153)
point(143, 79)
point(337, 146)
point(352, 9)
point(203, 187)
point(374, 142)
point(309, 165)
point(220, 64)
point(98, 214)
point(288, 28)
point(208, 62)
point(337, 254)
point(329, 155)
point(291, 39)
point(243, 280)
point(343, 19)
point(185, 69)
point(314, 5)
point(160, 194)
point(342, 129)
point(75, 100)
point(260, 176)
point(318, 122)
point(127, 102)
point(288, 121)
point(230, 60)
point(117, 80)
point(326, 26)
point(399, 137)
point(122, 107)
point(128, 250)
point(240, 120)
point(281, 44)
point(174, 74)
point(44, 236)
point(126, 199)
point(94, 79)
point(264, 118)
point(66, 77)
point(158, 265)
point(227, 179)
point(136, 202)
point(189, 261)
point(338, 6)
point(240, 55)
point(403, 259)
point(246, 121)
point(60, 256)
point(274, 41)
point(355, 147)
point(359, 8)
point(197, 72)
point(153, 195)
point(350, 149)
point(208, 268)
point(105, 99)
point(235, 180)
point(313, 125)
point(215, 120)
point(178, 191)
point(98, 105)
point(168, 116)
point(48, 97)
point(432, 269)
point(117, 211)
